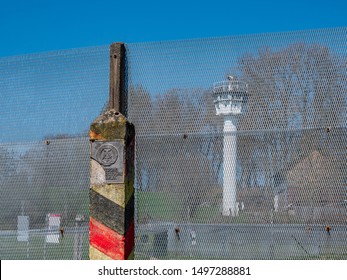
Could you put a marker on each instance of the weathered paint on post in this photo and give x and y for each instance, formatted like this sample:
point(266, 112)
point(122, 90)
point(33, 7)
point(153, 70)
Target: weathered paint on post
point(111, 226)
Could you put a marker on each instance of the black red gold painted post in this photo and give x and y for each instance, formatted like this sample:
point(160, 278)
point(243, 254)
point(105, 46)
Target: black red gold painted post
point(112, 187)
point(112, 140)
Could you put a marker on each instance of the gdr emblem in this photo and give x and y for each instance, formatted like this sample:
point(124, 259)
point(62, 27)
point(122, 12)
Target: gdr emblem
point(110, 156)
point(107, 154)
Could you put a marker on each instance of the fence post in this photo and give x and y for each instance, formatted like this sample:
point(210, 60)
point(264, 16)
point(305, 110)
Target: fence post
point(112, 137)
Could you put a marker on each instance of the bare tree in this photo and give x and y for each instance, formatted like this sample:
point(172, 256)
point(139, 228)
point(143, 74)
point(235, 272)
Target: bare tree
point(294, 92)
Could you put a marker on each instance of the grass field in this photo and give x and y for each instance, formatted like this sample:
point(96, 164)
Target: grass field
point(165, 206)
point(169, 208)
point(11, 249)
point(158, 205)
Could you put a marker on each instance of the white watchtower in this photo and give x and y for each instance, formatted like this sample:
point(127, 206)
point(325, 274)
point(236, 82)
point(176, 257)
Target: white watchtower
point(229, 98)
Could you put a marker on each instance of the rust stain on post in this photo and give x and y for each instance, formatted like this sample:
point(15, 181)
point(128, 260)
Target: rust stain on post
point(117, 77)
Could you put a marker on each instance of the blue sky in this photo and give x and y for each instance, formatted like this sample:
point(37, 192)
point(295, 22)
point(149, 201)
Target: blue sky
point(54, 54)
point(44, 25)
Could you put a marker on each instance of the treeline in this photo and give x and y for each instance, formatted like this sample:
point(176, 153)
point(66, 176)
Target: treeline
point(49, 176)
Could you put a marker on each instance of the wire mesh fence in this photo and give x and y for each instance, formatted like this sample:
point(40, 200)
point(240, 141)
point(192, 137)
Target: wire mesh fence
point(45, 199)
point(251, 172)
point(280, 212)
point(48, 102)
point(255, 171)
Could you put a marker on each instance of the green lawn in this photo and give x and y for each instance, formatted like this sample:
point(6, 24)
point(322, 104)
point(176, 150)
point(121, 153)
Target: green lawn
point(158, 205)
point(11, 249)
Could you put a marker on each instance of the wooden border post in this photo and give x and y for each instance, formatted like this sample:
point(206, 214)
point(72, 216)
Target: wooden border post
point(112, 137)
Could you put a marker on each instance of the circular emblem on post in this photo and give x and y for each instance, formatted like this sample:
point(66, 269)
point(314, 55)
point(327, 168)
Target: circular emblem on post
point(107, 154)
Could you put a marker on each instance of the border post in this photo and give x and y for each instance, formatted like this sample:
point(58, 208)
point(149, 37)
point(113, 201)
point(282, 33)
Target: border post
point(112, 138)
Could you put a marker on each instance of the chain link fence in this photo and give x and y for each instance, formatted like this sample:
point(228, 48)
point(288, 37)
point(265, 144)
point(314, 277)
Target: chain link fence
point(263, 179)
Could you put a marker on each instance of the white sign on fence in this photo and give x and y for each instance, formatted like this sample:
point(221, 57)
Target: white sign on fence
point(23, 228)
point(52, 235)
